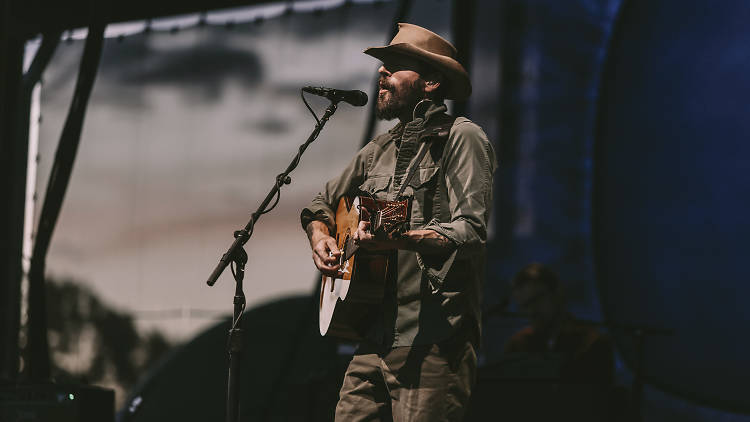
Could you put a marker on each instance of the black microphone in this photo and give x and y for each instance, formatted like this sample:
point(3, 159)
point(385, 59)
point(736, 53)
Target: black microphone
point(354, 97)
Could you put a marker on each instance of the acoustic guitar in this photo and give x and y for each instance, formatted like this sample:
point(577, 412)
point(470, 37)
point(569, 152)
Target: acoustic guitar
point(348, 302)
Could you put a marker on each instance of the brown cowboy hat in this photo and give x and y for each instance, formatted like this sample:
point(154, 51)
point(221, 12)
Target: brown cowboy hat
point(428, 47)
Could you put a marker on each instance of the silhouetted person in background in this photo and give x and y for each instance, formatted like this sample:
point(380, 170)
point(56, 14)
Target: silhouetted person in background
point(587, 354)
point(572, 360)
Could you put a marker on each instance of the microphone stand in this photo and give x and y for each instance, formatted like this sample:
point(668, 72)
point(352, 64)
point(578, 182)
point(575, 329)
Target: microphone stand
point(236, 255)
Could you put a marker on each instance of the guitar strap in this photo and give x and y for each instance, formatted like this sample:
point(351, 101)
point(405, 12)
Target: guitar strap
point(413, 169)
point(439, 131)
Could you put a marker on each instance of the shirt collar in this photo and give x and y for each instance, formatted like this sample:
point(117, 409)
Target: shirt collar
point(423, 112)
point(426, 109)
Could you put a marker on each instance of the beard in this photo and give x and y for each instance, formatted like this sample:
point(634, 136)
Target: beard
point(394, 102)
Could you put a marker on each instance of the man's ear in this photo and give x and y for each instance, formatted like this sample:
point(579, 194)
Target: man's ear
point(432, 82)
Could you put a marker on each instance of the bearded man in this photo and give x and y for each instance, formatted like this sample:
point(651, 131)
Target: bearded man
point(417, 360)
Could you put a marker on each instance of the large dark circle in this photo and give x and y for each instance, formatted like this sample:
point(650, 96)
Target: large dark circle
point(672, 192)
point(287, 371)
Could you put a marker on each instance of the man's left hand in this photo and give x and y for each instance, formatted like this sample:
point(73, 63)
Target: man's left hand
point(425, 241)
point(365, 239)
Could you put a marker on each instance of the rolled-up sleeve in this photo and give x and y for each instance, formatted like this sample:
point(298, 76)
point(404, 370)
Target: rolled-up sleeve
point(322, 206)
point(468, 165)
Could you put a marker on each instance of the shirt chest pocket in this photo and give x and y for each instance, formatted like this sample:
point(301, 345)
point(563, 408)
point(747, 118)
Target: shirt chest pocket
point(376, 186)
point(422, 189)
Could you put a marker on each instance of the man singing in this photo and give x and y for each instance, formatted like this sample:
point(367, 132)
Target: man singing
point(417, 361)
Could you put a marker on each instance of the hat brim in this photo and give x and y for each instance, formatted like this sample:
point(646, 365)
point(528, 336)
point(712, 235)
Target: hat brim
point(459, 86)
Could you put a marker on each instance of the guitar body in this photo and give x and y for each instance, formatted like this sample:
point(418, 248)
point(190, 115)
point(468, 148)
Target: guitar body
point(348, 304)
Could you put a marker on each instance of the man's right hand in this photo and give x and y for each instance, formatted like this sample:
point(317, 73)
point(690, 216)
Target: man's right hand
point(325, 252)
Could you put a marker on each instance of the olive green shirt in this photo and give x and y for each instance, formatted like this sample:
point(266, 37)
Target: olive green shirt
point(427, 300)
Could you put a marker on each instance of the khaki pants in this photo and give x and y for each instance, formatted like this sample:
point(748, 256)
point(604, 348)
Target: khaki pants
point(409, 384)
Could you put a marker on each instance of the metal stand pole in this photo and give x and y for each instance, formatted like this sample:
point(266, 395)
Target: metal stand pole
point(237, 255)
point(234, 344)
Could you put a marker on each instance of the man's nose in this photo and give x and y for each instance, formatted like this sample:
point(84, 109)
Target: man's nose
point(383, 71)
